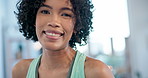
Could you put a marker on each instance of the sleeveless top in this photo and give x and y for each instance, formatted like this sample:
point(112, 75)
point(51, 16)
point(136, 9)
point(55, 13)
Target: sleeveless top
point(76, 69)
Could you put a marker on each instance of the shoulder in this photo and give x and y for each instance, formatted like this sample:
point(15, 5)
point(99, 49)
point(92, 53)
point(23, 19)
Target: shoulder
point(97, 68)
point(21, 68)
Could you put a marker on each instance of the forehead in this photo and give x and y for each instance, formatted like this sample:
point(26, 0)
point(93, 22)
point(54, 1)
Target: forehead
point(62, 3)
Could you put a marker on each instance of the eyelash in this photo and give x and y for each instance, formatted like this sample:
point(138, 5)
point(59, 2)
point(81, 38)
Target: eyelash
point(45, 12)
point(63, 14)
point(67, 15)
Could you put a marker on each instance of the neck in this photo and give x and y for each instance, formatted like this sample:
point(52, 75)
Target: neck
point(57, 59)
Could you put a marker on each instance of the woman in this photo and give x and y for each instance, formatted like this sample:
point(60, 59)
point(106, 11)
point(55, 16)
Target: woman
point(58, 25)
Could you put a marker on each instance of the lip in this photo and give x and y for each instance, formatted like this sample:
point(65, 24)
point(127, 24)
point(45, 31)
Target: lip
point(53, 34)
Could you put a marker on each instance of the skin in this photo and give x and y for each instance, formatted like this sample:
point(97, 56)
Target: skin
point(57, 17)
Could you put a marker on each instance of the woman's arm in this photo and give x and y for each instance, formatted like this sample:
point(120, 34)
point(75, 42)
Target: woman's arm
point(21, 68)
point(97, 69)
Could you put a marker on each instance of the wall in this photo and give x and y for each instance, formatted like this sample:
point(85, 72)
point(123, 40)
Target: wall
point(1, 44)
point(1, 52)
point(138, 41)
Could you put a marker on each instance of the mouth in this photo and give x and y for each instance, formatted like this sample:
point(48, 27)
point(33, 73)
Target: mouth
point(53, 34)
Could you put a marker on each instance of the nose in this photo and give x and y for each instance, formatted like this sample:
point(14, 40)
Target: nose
point(54, 21)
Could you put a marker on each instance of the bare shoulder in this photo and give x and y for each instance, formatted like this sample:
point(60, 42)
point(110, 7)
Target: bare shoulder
point(97, 69)
point(21, 68)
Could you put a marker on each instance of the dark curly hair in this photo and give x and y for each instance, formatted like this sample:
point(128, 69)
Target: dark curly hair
point(26, 15)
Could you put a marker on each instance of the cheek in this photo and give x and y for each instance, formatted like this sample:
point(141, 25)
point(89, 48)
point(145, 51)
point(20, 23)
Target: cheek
point(41, 19)
point(38, 20)
point(70, 28)
point(39, 24)
point(69, 25)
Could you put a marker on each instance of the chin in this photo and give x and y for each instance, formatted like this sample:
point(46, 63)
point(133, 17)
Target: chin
point(55, 47)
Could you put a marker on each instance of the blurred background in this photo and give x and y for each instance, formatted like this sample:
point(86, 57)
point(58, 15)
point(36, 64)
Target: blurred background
point(119, 37)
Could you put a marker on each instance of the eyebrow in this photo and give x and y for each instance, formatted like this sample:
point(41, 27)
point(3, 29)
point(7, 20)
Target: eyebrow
point(43, 5)
point(64, 8)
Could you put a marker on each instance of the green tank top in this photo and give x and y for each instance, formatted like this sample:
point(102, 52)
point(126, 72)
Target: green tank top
point(76, 69)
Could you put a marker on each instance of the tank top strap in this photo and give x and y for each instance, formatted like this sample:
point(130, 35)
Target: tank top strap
point(33, 68)
point(76, 70)
point(78, 66)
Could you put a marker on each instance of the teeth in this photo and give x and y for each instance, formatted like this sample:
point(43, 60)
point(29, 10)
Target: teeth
point(53, 34)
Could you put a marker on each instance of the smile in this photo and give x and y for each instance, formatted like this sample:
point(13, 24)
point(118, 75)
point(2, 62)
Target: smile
point(53, 35)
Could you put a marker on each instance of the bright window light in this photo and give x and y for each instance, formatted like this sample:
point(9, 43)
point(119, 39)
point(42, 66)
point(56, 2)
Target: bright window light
point(110, 20)
point(119, 44)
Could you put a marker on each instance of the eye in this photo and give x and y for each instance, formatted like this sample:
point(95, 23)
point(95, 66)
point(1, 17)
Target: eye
point(67, 15)
point(45, 12)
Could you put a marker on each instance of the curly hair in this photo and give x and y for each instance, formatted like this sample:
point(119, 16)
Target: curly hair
point(26, 15)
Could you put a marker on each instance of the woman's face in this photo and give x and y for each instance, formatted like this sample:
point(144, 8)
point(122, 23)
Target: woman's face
point(55, 24)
